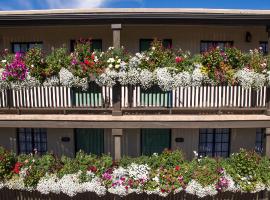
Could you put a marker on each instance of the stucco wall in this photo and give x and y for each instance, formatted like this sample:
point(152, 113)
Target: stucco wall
point(243, 138)
point(55, 36)
point(8, 138)
point(240, 138)
point(57, 146)
point(187, 37)
point(191, 141)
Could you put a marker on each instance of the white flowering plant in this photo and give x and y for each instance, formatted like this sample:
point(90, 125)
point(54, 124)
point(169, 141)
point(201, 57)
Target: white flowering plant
point(165, 67)
point(162, 174)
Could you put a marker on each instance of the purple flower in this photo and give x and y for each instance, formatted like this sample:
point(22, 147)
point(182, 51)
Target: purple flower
point(222, 184)
point(15, 71)
point(107, 176)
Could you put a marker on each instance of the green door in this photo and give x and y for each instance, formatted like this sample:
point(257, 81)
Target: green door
point(155, 140)
point(90, 140)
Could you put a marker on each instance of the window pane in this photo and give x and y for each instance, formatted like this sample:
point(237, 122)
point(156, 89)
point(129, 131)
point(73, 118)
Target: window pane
point(24, 48)
point(264, 47)
point(167, 43)
point(16, 48)
point(37, 45)
point(218, 147)
point(30, 139)
point(214, 142)
point(206, 45)
point(96, 45)
point(145, 44)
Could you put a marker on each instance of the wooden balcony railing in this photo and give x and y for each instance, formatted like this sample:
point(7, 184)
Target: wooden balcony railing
point(134, 98)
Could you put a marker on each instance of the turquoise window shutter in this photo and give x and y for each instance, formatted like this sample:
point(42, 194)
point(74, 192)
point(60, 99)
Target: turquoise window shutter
point(155, 140)
point(90, 140)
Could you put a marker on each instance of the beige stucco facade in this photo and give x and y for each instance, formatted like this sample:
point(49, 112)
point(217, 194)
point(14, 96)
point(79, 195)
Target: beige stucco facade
point(131, 141)
point(187, 37)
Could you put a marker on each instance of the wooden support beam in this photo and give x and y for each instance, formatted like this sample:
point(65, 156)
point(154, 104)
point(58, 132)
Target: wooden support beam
point(267, 142)
point(133, 124)
point(268, 101)
point(117, 138)
point(116, 28)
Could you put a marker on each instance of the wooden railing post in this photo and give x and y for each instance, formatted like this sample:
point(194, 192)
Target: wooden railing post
point(117, 100)
point(253, 97)
point(268, 101)
point(9, 98)
point(130, 95)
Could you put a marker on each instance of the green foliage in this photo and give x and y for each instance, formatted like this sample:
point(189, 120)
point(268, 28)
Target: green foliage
point(84, 162)
point(257, 61)
point(167, 159)
point(235, 58)
point(244, 169)
point(35, 61)
point(158, 57)
point(37, 167)
point(57, 59)
point(205, 170)
point(7, 162)
point(5, 58)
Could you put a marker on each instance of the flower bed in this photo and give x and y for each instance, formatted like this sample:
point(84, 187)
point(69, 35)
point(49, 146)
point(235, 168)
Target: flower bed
point(167, 68)
point(166, 175)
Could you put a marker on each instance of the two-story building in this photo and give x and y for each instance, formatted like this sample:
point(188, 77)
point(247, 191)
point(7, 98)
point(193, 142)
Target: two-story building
point(212, 121)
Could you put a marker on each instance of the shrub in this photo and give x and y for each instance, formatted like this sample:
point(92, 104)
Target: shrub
point(57, 59)
point(35, 61)
point(7, 164)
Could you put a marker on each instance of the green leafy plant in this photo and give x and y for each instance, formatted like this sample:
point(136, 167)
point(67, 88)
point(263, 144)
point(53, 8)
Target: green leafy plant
point(35, 61)
point(57, 59)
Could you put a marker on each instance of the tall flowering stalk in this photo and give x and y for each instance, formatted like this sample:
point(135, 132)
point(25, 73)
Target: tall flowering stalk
point(16, 70)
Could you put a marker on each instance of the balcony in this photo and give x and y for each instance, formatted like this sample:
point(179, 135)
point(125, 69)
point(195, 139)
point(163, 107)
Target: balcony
point(134, 100)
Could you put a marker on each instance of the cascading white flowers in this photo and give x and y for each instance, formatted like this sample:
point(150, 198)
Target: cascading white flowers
point(146, 79)
point(248, 78)
point(197, 76)
point(52, 81)
point(49, 184)
point(107, 78)
point(66, 78)
point(164, 79)
point(197, 189)
point(182, 79)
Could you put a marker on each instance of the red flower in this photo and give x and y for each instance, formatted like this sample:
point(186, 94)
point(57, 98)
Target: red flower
point(92, 169)
point(122, 178)
point(17, 167)
point(86, 62)
point(178, 59)
point(177, 168)
point(93, 56)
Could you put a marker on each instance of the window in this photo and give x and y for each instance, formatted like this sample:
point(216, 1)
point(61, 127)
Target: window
point(32, 139)
point(214, 142)
point(260, 133)
point(96, 45)
point(22, 47)
point(264, 47)
point(206, 45)
point(145, 44)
